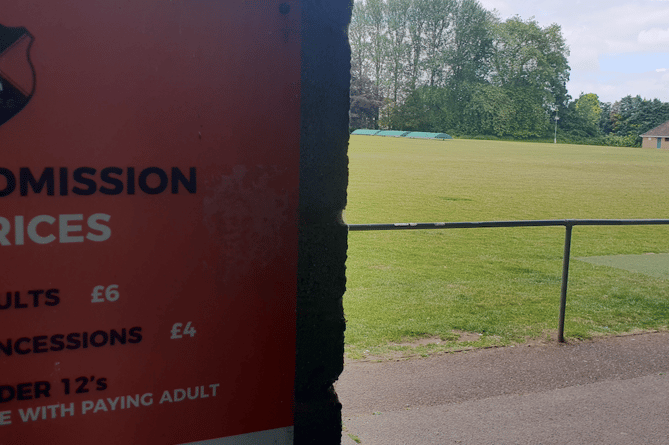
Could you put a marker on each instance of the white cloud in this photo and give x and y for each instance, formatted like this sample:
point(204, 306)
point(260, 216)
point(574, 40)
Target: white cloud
point(613, 87)
point(654, 36)
point(503, 7)
point(584, 59)
point(661, 70)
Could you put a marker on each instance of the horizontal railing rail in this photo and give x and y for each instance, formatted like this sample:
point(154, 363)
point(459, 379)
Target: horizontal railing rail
point(567, 223)
point(521, 223)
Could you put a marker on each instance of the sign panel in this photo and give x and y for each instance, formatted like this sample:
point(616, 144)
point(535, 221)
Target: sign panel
point(149, 168)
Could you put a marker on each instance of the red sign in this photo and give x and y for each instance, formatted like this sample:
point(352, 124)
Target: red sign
point(149, 168)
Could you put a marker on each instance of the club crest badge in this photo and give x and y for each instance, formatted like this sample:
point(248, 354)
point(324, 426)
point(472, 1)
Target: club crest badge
point(17, 74)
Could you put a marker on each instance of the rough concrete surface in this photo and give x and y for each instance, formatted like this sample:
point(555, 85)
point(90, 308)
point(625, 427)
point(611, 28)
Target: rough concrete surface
point(608, 391)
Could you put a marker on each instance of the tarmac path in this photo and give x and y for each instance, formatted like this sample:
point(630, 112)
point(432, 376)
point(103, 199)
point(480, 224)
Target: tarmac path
point(609, 391)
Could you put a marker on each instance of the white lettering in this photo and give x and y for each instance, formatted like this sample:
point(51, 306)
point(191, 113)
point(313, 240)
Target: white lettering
point(18, 230)
point(167, 397)
point(190, 393)
point(69, 410)
point(86, 406)
point(100, 406)
point(147, 399)
point(132, 401)
point(93, 224)
point(53, 409)
point(32, 229)
point(112, 403)
point(194, 396)
point(179, 395)
point(42, 412)
point(5, 226)
point(64, 228)
point(30, 414)
point(68, 231)
point(5, 418)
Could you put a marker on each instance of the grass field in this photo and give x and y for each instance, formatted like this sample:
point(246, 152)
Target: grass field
point(476, 287)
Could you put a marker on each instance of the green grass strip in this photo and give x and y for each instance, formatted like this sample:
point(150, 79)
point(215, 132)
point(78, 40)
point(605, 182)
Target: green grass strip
point(655, 265)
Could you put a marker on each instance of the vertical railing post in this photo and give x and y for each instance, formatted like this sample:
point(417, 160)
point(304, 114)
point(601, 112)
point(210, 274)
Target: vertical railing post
point(565, 279)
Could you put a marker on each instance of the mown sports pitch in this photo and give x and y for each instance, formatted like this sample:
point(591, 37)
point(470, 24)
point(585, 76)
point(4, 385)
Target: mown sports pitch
point(476, 287)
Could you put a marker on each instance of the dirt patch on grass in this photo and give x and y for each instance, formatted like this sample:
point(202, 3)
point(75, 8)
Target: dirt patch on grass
point(423, 347)
point(545, 338)
point(468, 336)
point(468, 341)
point(419, 342)
point(456, 336)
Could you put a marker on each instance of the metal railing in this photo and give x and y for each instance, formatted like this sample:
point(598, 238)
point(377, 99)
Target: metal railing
point(567, 223)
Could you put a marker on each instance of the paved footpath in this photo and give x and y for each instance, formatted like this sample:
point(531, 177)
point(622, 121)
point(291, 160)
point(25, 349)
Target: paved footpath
point(608, 391)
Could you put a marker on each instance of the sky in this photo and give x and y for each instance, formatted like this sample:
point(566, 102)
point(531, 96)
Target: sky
point(617, 48)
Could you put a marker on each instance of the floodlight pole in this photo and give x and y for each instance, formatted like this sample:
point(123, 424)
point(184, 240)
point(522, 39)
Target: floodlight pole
point(556, 119)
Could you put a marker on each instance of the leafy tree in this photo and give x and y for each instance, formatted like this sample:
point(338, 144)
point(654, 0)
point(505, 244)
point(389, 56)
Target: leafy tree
point(359, 35)
point(417, 13)
point(375, 12)
point(366, 101)
point(589, 108)
point(588, 120)
point(528, 56)
point(605, 124)
point(425, 109)
point(489, 112)
point(630, 117)
point(399, 46)
point(581, 118)
point(468, 55)
point(438, 19)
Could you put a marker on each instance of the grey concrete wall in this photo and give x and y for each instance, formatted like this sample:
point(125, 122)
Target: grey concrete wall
point(323, 236)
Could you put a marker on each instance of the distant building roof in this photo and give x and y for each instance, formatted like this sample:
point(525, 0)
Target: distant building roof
point(661, 131)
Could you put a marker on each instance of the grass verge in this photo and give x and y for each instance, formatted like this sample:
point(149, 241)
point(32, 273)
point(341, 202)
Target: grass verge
point(503, 284)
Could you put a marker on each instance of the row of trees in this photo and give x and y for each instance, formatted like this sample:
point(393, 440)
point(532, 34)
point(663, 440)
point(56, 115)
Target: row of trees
point(619, 123)
point(451, 65)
